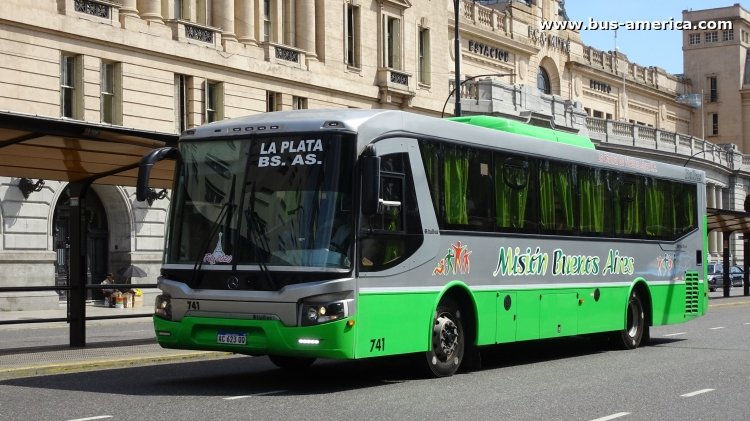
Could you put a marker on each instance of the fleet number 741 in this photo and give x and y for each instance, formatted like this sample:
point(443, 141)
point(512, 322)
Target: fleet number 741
point(377, 344)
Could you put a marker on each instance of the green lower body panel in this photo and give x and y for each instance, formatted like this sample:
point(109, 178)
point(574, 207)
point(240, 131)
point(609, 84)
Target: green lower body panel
point(394, 323)
point(391, 323)
point(671, 305)
point(329, 340)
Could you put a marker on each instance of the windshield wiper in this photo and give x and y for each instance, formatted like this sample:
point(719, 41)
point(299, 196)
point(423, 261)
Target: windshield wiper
point(226, 210)
point(258, 231)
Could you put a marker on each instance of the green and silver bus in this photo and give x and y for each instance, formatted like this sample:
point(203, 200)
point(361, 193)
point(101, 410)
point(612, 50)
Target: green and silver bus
point(352, 234)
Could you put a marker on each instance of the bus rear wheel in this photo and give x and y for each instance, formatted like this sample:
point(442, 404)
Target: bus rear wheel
point(635, 323)
point(447, 340)
point(291, 363)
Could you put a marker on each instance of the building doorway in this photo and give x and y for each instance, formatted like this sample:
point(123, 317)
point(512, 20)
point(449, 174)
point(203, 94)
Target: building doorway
point(97, 242)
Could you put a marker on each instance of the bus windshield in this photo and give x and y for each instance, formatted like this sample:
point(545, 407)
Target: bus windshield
point(276, 201)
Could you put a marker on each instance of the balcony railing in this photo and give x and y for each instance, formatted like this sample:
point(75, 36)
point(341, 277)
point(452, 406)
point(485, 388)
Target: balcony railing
point(469, 89)
point(199, 33)
point(614, 132)
point(483, 17)
point(192, 32)
point(399, 78)
point(394, 86)
point(287, 54)
point(94, 8)
point(104, 11)
point(284, 54)
point(393, 79)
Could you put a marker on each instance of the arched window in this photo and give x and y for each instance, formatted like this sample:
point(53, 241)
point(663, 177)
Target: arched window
point(542, 81)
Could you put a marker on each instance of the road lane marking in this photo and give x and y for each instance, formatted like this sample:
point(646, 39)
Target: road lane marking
point(717, 328)
point(273, 392)
point(613, 416)
point(675, 334)
point(231, 398)
point(748, 323)
point(697, 392)
point(100, 417)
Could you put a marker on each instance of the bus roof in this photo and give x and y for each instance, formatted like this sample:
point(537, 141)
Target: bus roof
point(517, 127)
point(373, 124)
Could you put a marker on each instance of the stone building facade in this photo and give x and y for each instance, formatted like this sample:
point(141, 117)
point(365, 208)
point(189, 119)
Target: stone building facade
point(717, 61)
point(167, 65)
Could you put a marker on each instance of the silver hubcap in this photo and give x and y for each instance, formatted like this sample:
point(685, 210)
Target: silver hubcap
point(634, 316)
point(444, 338)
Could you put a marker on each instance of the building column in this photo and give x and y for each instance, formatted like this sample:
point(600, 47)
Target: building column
point(150, 10)
point(129, 8)
point(711, 203)
point(719, 201)
point(224, 18)
point(244, 17)
point(129, 17)
point(305, 30)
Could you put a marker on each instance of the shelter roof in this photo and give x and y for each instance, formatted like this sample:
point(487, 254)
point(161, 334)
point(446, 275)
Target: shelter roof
point(727, 220)
point(70, 150)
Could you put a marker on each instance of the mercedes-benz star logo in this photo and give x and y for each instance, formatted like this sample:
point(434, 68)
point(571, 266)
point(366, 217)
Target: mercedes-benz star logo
point(233, 282)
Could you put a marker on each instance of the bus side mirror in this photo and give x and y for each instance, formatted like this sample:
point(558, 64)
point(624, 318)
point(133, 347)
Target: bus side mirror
point(147, 163)
point(370, 184)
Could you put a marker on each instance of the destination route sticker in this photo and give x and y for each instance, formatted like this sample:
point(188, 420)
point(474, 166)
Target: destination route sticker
point(291, 152)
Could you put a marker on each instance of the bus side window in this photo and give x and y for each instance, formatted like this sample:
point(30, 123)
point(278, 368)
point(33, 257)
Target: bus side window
point(660, 210)
point(514, 206)
point(628, 200)
point(685, 199)
point(479, 191)
point(389, 237)
point(431, 153)
point(556, 187)
point(592, 195)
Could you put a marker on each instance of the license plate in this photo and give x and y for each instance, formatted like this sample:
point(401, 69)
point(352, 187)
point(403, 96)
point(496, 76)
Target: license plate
point(231, 338)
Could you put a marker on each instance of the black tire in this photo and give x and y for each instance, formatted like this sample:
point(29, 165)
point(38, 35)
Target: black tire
point(635, 324)
point(291, 363)
point(446, 340)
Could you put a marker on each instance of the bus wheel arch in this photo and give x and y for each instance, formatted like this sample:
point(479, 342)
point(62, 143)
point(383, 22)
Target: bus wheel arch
point(643, 291)
point(452, 333)
point(638, 312)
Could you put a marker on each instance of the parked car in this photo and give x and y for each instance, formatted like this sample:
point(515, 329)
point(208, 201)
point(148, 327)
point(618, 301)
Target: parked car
point(716, 276)
point(715, 273)
point(736, 275)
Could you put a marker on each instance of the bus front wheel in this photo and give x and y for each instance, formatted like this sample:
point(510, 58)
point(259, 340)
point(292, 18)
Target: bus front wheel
point(291, 363)
point(635, 323)
point(447, 340)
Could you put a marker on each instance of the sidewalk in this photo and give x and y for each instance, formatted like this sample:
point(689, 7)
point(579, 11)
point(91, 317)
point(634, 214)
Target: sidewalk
point(25, 348)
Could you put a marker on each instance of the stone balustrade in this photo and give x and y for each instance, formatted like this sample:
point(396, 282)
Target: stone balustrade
point(483, 17)
point(693, 149)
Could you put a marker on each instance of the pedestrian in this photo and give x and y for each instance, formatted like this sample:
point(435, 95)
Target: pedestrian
point(107, 292)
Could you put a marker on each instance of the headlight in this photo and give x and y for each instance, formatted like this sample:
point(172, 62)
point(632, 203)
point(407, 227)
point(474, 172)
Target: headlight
point(316, 313)
point(163, 306)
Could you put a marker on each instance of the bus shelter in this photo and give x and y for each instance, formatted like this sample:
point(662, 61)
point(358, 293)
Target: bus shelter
point(728, 222)
point(81, 153)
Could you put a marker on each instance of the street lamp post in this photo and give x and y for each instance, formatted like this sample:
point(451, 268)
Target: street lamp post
point(457, 89)
point(457, 54)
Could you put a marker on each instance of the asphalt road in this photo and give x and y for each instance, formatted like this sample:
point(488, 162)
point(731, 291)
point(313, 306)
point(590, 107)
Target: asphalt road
point(694, 371)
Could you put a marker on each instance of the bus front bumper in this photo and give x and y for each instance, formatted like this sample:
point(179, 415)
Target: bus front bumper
point(257, 337)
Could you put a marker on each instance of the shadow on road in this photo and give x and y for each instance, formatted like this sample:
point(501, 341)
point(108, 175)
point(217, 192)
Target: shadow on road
point(258, 376)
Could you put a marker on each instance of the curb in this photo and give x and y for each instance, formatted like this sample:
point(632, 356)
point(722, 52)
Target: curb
point(92, 365)
point(735, 303)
